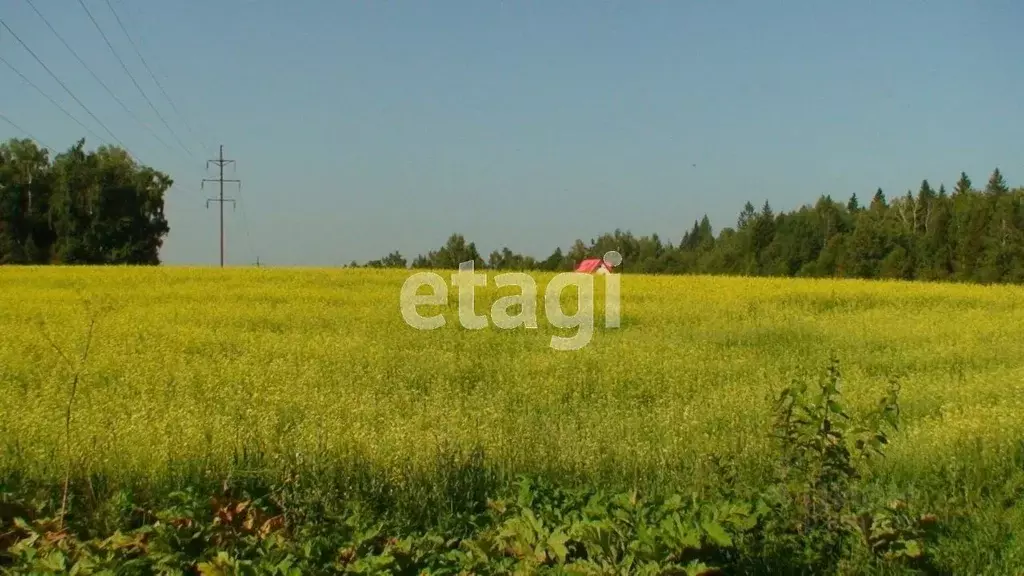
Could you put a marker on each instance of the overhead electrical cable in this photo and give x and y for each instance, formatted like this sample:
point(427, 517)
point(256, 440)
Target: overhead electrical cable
point(26, 132)
point(96, 76)
point(156, 81)
point(134, 81)
point(52, 101)
point(64, 86)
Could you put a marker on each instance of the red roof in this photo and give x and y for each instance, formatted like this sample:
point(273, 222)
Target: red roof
point(591, 265)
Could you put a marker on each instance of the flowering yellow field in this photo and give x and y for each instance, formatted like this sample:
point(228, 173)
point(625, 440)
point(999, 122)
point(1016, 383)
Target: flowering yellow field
point(192, 365)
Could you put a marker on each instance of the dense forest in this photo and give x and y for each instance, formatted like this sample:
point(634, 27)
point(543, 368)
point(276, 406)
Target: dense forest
point(969, 234)
point(79, 207)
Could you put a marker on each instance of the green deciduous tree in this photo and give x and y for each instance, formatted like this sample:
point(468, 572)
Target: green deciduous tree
point(83, 207)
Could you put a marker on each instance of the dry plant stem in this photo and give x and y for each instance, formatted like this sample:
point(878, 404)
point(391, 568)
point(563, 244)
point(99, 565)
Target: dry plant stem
point(68, 410)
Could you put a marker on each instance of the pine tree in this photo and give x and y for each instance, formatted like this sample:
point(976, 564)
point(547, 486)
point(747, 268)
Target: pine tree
point(746, 216)
point(878, 199)
point(963, 185)
point(996, 185)
point(923, 207)
point(706, 234)
point(999, 242)
point(691, 238)
point(853, 205)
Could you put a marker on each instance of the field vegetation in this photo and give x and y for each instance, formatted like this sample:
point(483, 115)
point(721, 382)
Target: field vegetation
point(336, 437)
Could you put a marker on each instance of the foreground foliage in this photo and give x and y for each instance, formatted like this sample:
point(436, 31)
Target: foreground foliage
point(810, 521)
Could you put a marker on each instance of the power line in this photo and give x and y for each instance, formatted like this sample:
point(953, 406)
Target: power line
point(151, 74)
point(64, 86)
point(220, 161)
point(203, 138)
point(52, 101)
point(95, 76)
point(132, 77)
point(26, 132)
point(62, 109)
point(68, 90)
point(65, 111)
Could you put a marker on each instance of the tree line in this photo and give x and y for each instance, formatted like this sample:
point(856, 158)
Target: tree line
point(80, 207)
point(101, 207)
point(967, 235)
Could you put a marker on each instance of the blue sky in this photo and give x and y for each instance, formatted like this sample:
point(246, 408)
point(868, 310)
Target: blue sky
point(364, 127)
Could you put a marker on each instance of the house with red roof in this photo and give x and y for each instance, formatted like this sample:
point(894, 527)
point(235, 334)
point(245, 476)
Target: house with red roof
point(594, 266)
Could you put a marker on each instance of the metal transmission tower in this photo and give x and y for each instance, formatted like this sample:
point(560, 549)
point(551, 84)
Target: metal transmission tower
point(220, 162)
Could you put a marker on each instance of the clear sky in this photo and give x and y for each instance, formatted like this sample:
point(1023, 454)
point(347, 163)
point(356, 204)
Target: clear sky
point(364, 127)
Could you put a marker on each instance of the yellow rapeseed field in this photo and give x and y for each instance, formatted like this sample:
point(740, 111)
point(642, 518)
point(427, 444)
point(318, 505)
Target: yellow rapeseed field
point(193, 365)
